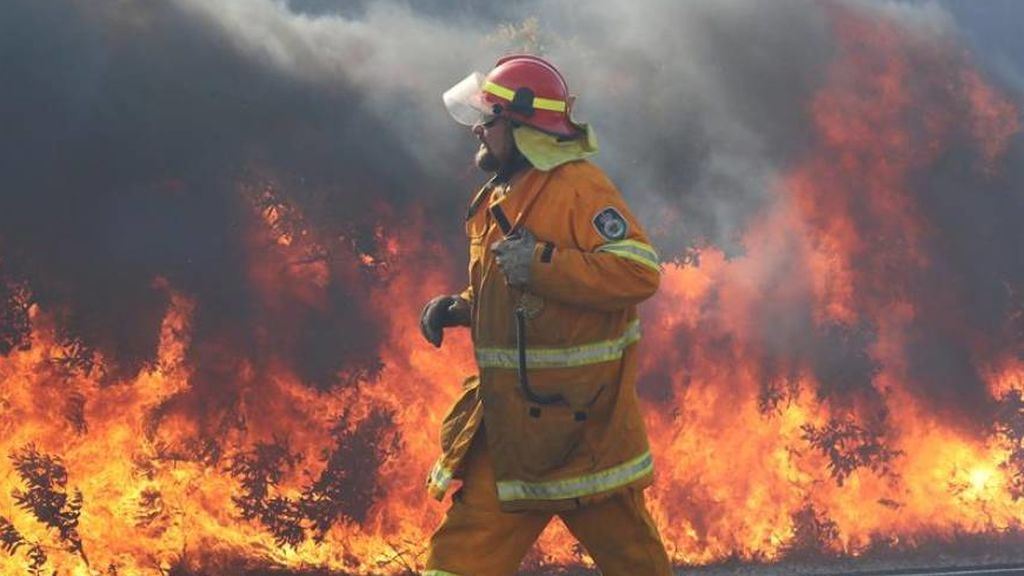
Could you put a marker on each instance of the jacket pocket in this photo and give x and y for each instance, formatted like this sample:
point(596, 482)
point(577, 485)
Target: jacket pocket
point(546, 325)
point(553, 435)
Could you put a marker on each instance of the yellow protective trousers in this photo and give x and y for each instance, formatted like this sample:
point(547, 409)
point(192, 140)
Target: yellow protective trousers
point(477, 539)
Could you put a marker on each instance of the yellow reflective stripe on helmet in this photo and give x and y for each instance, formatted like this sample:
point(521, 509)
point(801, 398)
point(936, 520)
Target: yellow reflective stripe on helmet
point(610, 479)
point(585, 355)
point(635, 251)
point(538, 102)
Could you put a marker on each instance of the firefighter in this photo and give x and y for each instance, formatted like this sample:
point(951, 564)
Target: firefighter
point(557, 265)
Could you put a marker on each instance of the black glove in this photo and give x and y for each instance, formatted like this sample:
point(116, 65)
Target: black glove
point(440, 313)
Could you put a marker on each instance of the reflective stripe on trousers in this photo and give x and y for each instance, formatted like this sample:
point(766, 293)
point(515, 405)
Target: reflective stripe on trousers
point(477, 538)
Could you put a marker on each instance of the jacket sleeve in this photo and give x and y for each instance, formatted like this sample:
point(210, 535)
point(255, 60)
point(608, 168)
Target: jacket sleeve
point(467, 294)
point(610, 265)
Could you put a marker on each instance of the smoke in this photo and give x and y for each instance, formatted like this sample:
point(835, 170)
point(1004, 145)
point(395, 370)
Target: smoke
point(132, 131)
point(701, 102)
point(844, 178)
point(129, 129)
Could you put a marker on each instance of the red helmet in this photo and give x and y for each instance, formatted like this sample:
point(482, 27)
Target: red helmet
point(527, 89)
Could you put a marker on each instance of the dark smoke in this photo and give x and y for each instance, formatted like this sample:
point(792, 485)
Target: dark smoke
point(128, 130)
point(139, 140)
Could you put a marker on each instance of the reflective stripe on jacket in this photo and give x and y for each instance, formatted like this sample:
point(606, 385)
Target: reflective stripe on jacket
point(592, 265)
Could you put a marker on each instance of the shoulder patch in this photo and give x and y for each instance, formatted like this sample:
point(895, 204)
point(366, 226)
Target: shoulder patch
point(610, 224)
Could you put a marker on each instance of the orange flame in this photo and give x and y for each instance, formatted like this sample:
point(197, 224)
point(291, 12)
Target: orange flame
point(739, 471)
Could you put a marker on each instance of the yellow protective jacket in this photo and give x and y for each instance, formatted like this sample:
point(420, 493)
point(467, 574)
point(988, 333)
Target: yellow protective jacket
point(592, 265)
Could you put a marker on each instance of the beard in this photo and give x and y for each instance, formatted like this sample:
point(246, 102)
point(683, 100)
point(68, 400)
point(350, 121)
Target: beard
point(487, 161)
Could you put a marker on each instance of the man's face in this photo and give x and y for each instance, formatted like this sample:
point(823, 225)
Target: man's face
point(497, 147)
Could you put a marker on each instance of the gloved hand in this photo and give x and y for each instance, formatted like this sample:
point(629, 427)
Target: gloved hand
point(514, 255)
point(440, 313)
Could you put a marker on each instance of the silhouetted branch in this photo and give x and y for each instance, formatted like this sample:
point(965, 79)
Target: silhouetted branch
point(779, 385)
point(814, 534)
point(848, 447)
point(259, 471)
point(348, 486)
point(46, 497)
point(1009, 424)
point(74, 412)
point(15, 325)
point(74, 356)
point(37, 560)
point(10, 538)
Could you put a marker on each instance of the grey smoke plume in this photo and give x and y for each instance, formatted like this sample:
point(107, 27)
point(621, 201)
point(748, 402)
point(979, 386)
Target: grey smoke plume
point(698, 103)
point(701, 105)
point(128, 126)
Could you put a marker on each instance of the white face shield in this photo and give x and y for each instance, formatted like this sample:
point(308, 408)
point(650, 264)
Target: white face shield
point(464, 101)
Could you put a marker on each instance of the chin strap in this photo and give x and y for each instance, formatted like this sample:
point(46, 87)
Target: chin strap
point(516, 165)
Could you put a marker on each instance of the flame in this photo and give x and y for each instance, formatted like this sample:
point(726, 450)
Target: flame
point(760, 451)
point(741, 479)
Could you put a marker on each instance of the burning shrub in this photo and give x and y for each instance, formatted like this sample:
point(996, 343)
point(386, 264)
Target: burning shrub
point(74, 356)
point(348, 486)
point(259, 471)
point(15, 325)
point(1009, 424)
point(849, 447)
point(74, 412)
point(150, 509)
point(814, 533)
point(345, 490)
point(46, 497)
point(778, 386)
point(10, 538)
point(36, 560)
